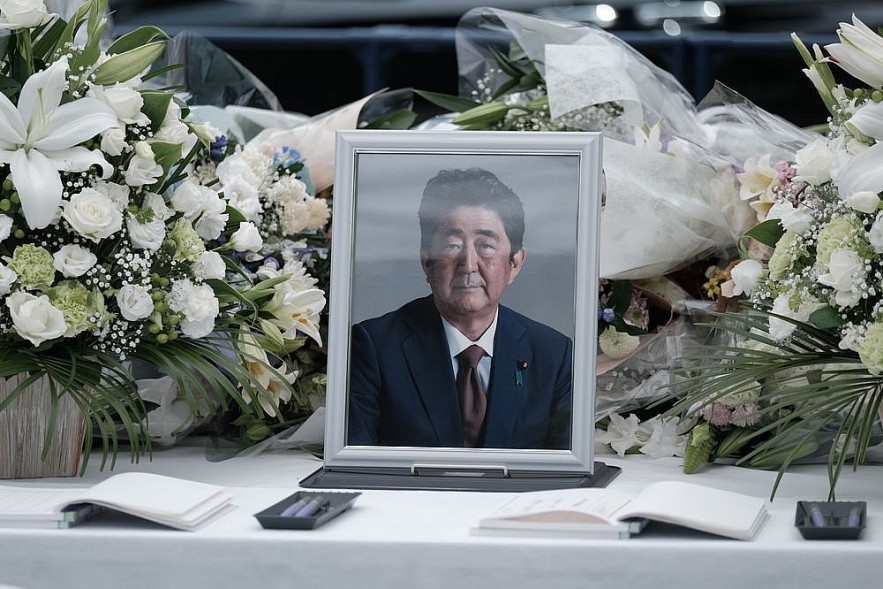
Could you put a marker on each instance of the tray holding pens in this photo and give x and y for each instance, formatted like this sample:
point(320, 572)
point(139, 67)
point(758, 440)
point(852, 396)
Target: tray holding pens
point(332, 504)
point(830, 520)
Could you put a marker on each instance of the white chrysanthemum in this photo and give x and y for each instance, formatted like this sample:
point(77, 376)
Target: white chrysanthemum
point(617, 344)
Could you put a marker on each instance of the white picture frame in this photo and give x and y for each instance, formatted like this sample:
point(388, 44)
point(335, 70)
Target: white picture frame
point(376, 266)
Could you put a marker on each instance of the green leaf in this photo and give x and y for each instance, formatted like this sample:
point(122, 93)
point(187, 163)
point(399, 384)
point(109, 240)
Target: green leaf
point(507, 66)
point(48, 41)
point(620, 296)
point(448, 101)
point(768, 233)
point(125, 66)
point(134, 39)
point(156, 105)
point(396, 120)
point(484, 114)
point(166, 154)
point(826, 318)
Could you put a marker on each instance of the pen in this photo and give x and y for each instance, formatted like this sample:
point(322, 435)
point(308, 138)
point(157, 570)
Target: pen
point(854, 518)
point(312, 506)
point(294, 507)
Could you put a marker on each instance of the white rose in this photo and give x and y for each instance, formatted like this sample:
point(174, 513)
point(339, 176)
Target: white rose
point(146, 236)
point(93, 215)
point(192, 199)
point(746, 276)
point(813, 163)
point(73, 260)
point(864, 201)
point(176, 132)
point(113, 141)
point(875, 234)
point(845, 269)
point(34, 318)
point(135, 302)
point(143, 168)
point(246, 238)
point(125, 102)
point(7, 279)
point(210, 265)
point(23, 14)
point(5, 227)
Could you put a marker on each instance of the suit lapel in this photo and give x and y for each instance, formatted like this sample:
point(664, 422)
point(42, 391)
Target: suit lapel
point(506, 396)
point(426, 352)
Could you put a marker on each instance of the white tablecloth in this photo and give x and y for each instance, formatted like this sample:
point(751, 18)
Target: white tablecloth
point(421, 539)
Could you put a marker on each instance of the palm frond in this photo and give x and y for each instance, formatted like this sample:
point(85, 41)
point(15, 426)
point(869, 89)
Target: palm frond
point(813, 393)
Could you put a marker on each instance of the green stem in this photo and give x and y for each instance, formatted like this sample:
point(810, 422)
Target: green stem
point(23, 61)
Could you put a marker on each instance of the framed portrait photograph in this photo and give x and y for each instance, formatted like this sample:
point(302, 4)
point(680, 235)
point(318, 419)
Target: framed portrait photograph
point(463, 310)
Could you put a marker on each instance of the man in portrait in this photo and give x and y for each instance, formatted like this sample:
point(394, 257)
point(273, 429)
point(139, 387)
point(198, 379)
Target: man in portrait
point(456, 368)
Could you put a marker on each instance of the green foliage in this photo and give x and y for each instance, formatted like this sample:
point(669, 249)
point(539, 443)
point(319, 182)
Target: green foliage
point(814, 393)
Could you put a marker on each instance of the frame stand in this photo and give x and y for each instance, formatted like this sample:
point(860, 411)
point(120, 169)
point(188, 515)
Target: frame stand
point(456, 479)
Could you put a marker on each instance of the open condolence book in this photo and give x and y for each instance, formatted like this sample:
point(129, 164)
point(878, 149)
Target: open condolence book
point(169, 501)
point(601, 513)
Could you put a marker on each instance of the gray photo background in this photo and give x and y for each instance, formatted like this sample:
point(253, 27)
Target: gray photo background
point(386, 245)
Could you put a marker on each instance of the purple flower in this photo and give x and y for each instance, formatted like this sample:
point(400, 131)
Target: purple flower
point(606, 314)
point(218, 147)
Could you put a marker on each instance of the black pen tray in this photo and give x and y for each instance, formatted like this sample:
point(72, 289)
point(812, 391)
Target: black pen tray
point(836, 516)
point(271, 519)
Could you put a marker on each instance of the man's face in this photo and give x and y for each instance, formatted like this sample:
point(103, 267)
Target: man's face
point(470, 264)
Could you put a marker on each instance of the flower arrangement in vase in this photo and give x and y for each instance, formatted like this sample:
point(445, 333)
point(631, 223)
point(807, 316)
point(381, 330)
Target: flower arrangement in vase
point(802, 364)
point(110, 250)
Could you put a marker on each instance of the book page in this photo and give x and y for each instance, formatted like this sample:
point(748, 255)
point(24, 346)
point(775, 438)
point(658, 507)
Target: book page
point(156, 497)
point(588, 506)
point(33, 502)
point(702, 508)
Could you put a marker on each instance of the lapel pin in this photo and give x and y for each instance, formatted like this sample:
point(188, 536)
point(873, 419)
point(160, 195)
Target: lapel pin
point(519, 374)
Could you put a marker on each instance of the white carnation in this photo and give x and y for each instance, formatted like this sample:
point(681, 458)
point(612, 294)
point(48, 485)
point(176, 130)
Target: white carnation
point(73, 260)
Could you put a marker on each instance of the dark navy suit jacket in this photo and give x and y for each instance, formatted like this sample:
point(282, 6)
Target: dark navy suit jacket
point(403, 392)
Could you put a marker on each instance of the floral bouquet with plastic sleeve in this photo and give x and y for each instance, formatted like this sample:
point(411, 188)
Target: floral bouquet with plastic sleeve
point(110, 248)
point(809, 347)
point(521, 72)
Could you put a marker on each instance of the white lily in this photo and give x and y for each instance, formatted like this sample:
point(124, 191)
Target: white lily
point(868, 119)
point(863, 172)
point(41, 137)
point(860, 52)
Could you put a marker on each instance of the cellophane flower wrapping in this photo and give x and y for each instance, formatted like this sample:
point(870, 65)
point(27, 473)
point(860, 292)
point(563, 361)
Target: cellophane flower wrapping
point(669, 198)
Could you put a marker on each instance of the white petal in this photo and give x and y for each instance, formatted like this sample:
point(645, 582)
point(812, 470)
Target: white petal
point(78, 159)
point(73, 123)
point(41, 94)
point(869, 119)
point(39, 187)
point(12, 128)
point(863, 172)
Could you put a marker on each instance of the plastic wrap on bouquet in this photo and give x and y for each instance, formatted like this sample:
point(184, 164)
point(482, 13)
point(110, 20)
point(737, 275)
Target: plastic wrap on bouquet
point(212, 77)
point(669, 199)
point(582, 66)
point(738, 129)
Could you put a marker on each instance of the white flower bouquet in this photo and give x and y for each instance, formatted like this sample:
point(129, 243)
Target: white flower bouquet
point(526, 73)
point(811, 346)
point(110, 249)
